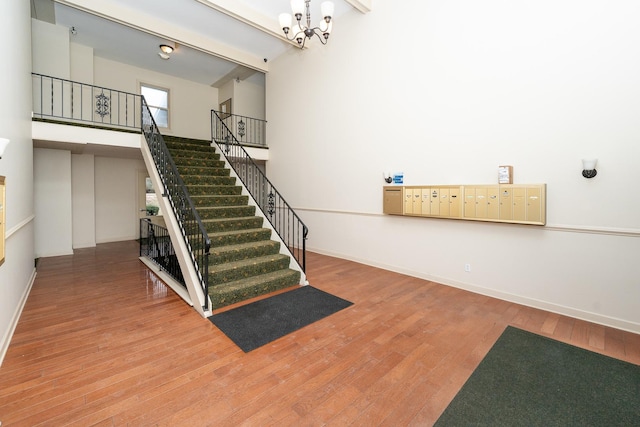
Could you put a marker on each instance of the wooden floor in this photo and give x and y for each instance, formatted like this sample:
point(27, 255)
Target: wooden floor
point(103, 342)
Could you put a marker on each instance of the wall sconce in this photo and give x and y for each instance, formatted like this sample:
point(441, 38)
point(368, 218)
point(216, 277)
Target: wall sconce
point(387, 177)
point(3, 144)
point(589, 168)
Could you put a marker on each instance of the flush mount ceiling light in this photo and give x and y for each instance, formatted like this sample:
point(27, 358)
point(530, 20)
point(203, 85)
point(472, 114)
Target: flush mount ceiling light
point(165, 51)
point(300, 31)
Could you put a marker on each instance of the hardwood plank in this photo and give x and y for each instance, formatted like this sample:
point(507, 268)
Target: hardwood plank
point(102, 341)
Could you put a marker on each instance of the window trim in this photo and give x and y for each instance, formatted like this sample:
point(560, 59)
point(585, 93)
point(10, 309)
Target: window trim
point(167, 109)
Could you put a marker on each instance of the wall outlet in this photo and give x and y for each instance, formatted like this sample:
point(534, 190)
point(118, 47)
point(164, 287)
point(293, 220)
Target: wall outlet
point(467, 268)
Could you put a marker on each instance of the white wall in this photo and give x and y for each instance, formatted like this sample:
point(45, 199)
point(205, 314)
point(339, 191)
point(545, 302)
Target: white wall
point(88, 198)
point(17, 272)
point(477, 84)
point(81, 58)
point(116, 182)
point(190, 103)
point(50, 50)
point(249, 97)
point(83, 201)
point(52, 196)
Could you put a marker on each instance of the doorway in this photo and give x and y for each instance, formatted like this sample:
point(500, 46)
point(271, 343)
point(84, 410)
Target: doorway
point(225, 109)
point(148, 206)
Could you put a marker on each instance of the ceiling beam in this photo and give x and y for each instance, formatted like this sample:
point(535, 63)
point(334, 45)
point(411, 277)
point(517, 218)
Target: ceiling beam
point(249, 16)
point(363, 6)
point(267, 24)
point(165, 29)
point(43, 10)
point(239, 73)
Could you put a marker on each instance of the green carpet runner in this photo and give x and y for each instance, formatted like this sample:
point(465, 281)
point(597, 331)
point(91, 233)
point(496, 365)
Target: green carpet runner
point(244, 261)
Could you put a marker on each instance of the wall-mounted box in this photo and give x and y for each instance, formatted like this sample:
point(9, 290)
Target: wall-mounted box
point(513, 203)
point(392, 200)
point(505, 174)
point(3, 219)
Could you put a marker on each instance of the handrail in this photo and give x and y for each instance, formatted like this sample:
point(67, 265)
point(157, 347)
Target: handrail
point(69, 101)
point(280, 214)
point(248, 130)
point(191, 227)
point(155, 245)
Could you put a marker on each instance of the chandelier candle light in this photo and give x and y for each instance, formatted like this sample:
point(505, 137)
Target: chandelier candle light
point(301, 32)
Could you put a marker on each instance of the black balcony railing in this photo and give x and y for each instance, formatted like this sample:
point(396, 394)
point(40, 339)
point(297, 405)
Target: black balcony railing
point(193, 231)
point(280, 214)
point(247, 130)
point(155, 245)
point(68, 101)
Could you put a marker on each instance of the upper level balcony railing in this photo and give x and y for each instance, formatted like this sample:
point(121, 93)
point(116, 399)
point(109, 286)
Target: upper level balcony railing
point(68, 101)
point(246, 130)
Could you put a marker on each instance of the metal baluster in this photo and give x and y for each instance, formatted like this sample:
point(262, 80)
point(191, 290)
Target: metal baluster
point(52, 97)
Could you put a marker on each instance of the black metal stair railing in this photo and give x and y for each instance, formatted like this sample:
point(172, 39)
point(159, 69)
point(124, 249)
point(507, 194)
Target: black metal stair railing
point(191, 227)
point(155, 245)
point(248, 130)
point(73, 102)
point(280, 214)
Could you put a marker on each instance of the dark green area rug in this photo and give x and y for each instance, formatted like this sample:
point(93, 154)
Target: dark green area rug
point(259, 323)
point(530, 380)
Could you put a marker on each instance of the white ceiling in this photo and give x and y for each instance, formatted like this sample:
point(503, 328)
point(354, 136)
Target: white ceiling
point(212, 47)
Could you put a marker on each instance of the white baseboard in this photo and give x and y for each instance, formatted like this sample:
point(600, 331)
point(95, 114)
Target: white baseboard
point(600, 319)
point(6, 339)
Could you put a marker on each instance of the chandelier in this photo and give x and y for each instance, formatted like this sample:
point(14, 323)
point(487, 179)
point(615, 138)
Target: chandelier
point(300, 31)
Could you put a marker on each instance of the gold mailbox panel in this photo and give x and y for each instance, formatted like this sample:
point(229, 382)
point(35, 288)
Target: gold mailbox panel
point(512, 203)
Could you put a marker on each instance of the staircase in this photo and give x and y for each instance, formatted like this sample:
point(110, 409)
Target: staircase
point(244, 261)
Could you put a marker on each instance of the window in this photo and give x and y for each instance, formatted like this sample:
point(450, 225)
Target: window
point(158, 102)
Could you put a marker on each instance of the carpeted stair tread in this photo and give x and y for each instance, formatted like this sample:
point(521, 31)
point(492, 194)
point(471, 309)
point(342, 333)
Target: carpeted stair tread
point(196, 144)
point(220, 200)
point(186, 140)
point(199, 171)
point(209, 161)
point(239, 224)
point(178, 153)
point(234, 237)
point(219, 212)
point(230, 253)
point(213, 190)
point(209, 180)
point(189, 165)
point(249, 263)
point(242, 269)
point(179, 146)
point(233, 292)
point(199, 148)
point(190, 147)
